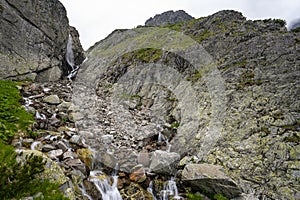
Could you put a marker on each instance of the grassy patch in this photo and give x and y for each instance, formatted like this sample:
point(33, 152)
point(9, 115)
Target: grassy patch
point(191, 196)
point(203, 35)
point(13, 117)
point(146, 55)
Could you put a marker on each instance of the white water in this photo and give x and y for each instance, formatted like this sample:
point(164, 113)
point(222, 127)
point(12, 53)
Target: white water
point(83, 191)
point(150, 190)
point(108, 191)
point(70, 59)
point(39, 115)
point(35, 145)
point(170, 189)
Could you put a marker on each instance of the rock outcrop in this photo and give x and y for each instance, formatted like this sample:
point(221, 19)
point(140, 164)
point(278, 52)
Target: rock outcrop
point(34, 37)
point(168, 18)
point(221, 88)
point(210, 178)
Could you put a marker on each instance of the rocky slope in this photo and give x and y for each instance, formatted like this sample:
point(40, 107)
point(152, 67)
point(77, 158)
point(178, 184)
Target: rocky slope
point(34, 36)
point(220, 89)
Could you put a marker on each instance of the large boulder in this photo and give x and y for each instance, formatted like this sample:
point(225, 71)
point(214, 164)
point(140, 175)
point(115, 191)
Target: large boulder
point(210, 178)
point(164, 163)
point(34, 37)
point(168, 18)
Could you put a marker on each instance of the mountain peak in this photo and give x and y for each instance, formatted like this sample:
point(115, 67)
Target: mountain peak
point(168, 18)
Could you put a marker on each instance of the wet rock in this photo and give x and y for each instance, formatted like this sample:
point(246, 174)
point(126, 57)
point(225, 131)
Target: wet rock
point(210, 178)
point(52, 99)
point(55, 154)
point(138, 174)
point(48, 147)
point(164, 163)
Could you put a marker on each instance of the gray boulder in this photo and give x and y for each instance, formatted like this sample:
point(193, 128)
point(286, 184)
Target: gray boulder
point(168, 18)
point(210, 178)
point(33, 42)
point(164, 163)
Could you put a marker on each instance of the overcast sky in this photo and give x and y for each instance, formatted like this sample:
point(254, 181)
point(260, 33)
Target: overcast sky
point(95, 19)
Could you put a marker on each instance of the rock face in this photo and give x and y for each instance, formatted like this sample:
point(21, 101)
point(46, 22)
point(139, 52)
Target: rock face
point(168, 18)
point(221, 88)
point(34, 37)
point(210, 178)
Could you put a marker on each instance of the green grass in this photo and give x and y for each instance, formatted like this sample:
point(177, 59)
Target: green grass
point(13, 117)
point(191, 196)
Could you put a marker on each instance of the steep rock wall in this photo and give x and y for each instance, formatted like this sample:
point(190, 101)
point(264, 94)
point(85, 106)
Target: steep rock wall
point(34, 37)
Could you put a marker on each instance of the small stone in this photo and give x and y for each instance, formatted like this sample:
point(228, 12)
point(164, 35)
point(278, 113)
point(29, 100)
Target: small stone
point(86, 156)
point(74, 108)
point(138, 174)
point(64, 106)
point(61, 145)
point(77, 164)
point(52, 99)
point(69, 155)
point(48, 147)
point(78, 140)
point(27, 142)
point(107, 139)
point(55, 154)
point(75, 116)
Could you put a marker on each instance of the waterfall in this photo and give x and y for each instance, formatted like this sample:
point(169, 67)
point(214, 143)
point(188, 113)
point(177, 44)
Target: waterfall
point(170, 189)
point(83, 192)
point(70, 54)
point(150, 190)
point(108, 191)
point(70, 59)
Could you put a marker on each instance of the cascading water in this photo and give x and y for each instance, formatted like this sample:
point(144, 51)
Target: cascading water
point(83, 192)
point(70, 59)
point(108, 191)
point(170, 189)
point(150, 190)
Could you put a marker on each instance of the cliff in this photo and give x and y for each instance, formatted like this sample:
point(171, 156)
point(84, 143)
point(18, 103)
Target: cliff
point(34, 37)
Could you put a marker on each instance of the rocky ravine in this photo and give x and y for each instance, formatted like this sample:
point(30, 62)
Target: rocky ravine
point(222, 89)
point(34, 36)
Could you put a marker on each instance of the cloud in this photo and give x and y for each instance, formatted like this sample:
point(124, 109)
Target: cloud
point(95, 19)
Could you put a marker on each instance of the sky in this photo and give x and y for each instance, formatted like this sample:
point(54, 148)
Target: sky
point(95, 19)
